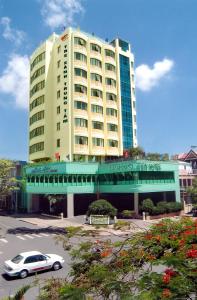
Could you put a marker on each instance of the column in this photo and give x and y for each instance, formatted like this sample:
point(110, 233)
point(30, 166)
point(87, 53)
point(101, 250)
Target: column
point(136, 203)
point(164, 196)
point(70, 205)
point(29, 203)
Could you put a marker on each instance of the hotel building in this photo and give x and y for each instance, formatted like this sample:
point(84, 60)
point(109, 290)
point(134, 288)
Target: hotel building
point(82, 98)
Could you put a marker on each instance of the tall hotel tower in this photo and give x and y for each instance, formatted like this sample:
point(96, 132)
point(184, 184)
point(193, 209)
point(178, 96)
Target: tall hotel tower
point(82, 98)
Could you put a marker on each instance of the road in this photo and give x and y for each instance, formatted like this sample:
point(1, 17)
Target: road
point(16, 237)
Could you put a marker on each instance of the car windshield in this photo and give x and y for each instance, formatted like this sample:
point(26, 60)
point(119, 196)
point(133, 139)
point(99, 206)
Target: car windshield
point(17, 259)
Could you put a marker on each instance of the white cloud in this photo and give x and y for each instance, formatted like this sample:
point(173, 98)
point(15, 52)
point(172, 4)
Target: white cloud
point(11, 34)
point(14, 80)
point(58, 13)
point(147, 78)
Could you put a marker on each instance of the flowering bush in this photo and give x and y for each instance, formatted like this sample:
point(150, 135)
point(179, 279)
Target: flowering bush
point(160, 263)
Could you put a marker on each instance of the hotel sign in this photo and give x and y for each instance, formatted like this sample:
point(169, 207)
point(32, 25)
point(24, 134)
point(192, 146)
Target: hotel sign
point(134, 167)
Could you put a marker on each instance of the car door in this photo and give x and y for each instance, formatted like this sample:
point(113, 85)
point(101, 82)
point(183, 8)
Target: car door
point(44, 263)
point(31, 263)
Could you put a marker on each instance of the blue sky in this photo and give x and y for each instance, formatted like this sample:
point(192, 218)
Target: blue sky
point(163, 38)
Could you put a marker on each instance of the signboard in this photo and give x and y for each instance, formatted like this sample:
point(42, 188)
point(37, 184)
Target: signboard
point(99, 220)
point(135, 167)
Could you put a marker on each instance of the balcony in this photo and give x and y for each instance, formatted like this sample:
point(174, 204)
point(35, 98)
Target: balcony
point(97, 133)
point(98, 150)
point(80, 48)
point(80, 96)
point(113, 151)
point(112, 135)
point(96, 85)
point(80, 113)
point(97, 117)
point(96, 69)
point(111, 104)
point(95, 54)
point(81, 149)
point(110, 74)
point(96, 100)
point(111, 89)
point(80, 63)
point(80, 80)
point(81, 130)
point(112, 119)
point(110, 60)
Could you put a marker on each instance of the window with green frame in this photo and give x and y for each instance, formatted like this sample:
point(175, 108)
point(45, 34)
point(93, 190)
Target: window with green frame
point(110, 53)
point(96, 77)
point(113, 143)
point(111, 112)
point(80, 56)
point(96, 93)
point(95, 62)
point(80, 72)
point(97, 109)
point(95, 47)
point(36, 132)
point(98, 142)
point(79, 41)
point(81, 140)
point(112, 127)
point(79, 122)
point(36, 147)
point(80, 89)
point(111, 96)
point(80, 105)
point(97, 125)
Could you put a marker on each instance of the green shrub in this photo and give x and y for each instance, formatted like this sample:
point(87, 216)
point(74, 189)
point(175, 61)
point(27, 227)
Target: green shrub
point(147, 206)
point(157, 211)
point(127, 213)
point(162, 207)
point(101, 207)
point(122, 225)
point(174, 206)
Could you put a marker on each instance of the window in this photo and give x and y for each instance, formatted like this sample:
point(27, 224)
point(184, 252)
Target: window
point(81, 140)
point(96, 62)
point(58, 94)
point(111, 96)
point(58, 126)
point(58, 63)
point(96, 77)
point(37, 117)
point(39, 86)
point(37, 73)
point(58, 143)
point(98, 142)
point(80, 89)
point(110, 81)
point(111, 112)
point(17, 259)
point(80, 72)
point(96, 93)
point(81, 122)
point(80, 105)
point(134, 104)
point(36, 147)
point(58, 110)
point(109, 53)
point(80, 56)
point(112, 127)
point(110, 67)
point(38, 101)
point(95, 47)
point(39, 58)
point(97, 109)
point(113, 143)
point(58, 49)
point(97, 125)
point(58, 78)
point(79, 41)
point(36, 132)
point(30, 259)
point(134, 117)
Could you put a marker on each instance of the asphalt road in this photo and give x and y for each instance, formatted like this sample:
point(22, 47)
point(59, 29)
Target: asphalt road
point(17, 236)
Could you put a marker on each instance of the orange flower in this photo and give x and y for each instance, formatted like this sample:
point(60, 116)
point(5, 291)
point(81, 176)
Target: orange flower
point(151, 257)
point(173, 237)
point(106, 252)
point(166, 278)
point(119, 264)
point(166, 293)
point(158, 238)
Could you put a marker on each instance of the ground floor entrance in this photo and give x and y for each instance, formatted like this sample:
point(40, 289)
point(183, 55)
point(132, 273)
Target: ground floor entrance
point(77, 204)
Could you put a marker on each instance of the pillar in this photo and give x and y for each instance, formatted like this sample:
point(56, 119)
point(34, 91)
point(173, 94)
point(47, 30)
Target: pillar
point(136, 203)
point(70, 205)
point(29, 203)
point(164, 196)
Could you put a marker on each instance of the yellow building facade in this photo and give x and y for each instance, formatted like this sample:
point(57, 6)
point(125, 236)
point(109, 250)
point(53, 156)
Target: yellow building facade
point(82, 98)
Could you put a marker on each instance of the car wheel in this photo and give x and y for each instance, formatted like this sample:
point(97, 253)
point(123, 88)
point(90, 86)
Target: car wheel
point(56, 266)
point(23, 274)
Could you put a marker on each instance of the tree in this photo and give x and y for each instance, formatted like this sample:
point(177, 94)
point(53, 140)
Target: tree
point(192, 191)
point(159, 263)
point(153, 156)
point(101, 207)
point(7, 181)
point(147, 206)
point(137, 153)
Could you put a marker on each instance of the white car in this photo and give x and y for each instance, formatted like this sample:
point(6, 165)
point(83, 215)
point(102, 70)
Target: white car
point(32, 262)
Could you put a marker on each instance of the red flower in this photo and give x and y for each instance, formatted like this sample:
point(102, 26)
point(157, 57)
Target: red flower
point(166, 293)
point(158, 238)
point(166, 278)
point(181, 242)
point(192, 253)
point(170, 272)
point(148, 237)
point(189, 232)
point(173, 237)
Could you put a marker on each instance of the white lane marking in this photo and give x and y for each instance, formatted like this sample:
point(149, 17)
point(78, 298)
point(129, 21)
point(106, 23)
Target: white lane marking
point(28, 236)
point(36, 235)
point(4, 240)
point(1, 252)
point(20, 237)
point(44, 234)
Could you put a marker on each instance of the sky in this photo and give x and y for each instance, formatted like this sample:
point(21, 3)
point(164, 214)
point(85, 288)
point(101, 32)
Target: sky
point(163, 38)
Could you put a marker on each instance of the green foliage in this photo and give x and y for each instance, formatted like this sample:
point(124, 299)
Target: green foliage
point(101, 207)
point(152, 265)
point(127, 213)
point(121, 225)
point(7, 182)
point(192, 190)
point(20, 293)
point(137, 153)
point(147, 206)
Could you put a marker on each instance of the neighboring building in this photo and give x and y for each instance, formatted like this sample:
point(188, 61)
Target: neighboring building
point(82, 98)
point(187, 172)
point(69, 187)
